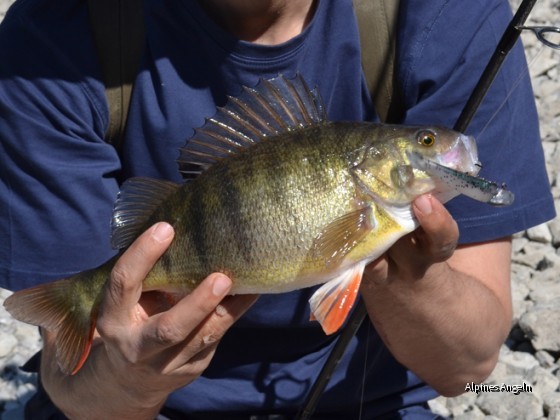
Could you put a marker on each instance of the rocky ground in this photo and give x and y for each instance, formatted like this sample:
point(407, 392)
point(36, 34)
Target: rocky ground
point(18, 342)
point(531, 355)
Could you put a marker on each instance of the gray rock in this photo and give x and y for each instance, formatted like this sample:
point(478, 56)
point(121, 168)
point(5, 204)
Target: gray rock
point(543, 65)
point(520, 280)
point(28, 337)
point(438, 406)
point(518, 243)
point(550, 264)
point(541, 324)
point(548, 289)
point(474, 413)
point(4, 5)
point(6, 393)
point(552, 155)
point(499, 373)
point(542, 381)
point(461, 404)
point(524, 406)
point(521, 274)
point(520, 307)
point(553, 413)
point(545, 359)
point(551, 401)
point(540, 233)
point(554, 227)
point(532, 254)
point(519, 288)
point(7, 343)
point(516, 363)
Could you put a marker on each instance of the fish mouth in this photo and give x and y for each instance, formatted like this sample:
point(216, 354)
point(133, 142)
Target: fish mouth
point(462, 156)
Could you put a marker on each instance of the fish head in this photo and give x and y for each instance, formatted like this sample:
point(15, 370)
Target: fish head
point(447, 148)
point(386, 172)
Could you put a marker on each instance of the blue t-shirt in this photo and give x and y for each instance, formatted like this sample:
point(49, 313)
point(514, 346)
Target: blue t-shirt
point(59, 178)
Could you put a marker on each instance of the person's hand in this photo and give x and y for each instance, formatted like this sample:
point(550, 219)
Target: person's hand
point(414, 254)
point(428, 299)
point(153, 352)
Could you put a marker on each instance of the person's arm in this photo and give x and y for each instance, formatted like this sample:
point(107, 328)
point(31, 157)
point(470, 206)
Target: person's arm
point(144, 354)
point(443, 312)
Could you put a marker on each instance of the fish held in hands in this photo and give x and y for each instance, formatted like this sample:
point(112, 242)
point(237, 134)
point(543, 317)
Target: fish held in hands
point(277, 198)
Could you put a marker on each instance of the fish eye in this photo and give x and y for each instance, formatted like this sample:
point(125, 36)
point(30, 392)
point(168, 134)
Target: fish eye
point(426, 138)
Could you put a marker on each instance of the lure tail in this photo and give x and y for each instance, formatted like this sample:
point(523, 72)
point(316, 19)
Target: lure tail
point(68, 307)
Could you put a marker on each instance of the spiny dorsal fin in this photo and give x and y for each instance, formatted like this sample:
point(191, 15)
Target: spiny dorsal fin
point(137, 200)
point(272, 107)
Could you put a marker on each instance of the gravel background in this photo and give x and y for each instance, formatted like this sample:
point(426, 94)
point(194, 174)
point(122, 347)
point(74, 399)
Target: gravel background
point(531, 354)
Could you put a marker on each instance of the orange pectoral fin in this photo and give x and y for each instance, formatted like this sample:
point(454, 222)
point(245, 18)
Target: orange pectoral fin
point(331, 304)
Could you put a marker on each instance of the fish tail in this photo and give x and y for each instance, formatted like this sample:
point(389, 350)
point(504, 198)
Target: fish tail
point(67, 307)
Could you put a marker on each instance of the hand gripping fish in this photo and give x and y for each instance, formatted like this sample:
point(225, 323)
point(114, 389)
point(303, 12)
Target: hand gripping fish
point(277, 198)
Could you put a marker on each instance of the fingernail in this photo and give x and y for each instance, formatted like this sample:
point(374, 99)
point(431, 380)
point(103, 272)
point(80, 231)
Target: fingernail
point(424, 204)
point(162, 231)
point(221, 286)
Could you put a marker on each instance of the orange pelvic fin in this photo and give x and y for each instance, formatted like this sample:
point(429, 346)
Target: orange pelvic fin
point(64, 307)
point(331, 304)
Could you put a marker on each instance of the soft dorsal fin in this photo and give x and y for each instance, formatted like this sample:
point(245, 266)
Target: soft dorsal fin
point(272, 107)
point(136, 202)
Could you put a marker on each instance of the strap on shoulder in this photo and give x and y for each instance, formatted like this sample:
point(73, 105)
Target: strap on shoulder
point(118, 30)
point(377, 23)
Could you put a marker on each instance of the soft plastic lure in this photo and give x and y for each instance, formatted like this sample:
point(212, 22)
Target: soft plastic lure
point(475, 187)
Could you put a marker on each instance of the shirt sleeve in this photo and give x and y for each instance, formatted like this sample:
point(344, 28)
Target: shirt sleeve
point(57, 175)
point(447, 48)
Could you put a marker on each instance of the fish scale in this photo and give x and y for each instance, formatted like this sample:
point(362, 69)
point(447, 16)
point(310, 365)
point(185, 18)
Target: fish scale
point(277, 221)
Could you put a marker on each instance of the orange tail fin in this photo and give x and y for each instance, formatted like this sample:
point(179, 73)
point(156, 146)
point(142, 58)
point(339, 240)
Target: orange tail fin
point(331, 304)
point(67, 307)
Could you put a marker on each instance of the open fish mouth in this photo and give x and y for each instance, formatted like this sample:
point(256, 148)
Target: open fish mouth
point(463, 155)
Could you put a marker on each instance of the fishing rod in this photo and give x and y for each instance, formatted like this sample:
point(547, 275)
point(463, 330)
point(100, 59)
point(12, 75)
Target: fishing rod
point(506, 43)
point(508, 40)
